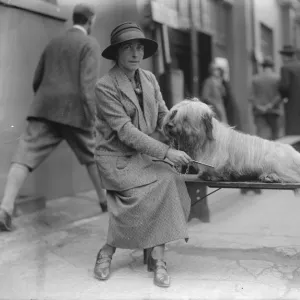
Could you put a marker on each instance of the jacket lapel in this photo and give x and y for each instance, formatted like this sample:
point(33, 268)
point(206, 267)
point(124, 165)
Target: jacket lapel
point(126, 87)
point(148, 99)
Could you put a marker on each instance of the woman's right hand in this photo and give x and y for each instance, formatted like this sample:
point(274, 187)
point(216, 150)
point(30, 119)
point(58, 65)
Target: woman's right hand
point(178, 157)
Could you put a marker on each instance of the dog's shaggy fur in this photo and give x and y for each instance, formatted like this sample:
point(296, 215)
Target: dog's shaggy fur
point(236, 156)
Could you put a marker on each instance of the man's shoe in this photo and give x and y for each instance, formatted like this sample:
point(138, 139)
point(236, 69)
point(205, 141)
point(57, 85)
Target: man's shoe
point(103, 206)
point(102, 266)
point(244, 191)
point(5, 221)
point(257, 191)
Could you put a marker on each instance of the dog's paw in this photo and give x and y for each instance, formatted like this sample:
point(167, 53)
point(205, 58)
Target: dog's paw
point(269, 178)
point(206, 176)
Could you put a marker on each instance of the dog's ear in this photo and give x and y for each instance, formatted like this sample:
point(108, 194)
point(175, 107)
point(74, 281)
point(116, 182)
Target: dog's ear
point(207, 121)
point(170, 122)
point(173, 114)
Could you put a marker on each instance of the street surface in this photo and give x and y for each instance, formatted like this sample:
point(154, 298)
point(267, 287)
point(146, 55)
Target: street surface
point(249, 250)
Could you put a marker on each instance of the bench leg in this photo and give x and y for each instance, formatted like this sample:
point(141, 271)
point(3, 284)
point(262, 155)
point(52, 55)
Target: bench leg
point(201, 209)
point(145, 256)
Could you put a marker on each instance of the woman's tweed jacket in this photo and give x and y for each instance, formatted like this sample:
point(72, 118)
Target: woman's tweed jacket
point(148, 200)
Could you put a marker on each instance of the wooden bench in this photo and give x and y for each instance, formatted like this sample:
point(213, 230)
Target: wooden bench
point(197, 189)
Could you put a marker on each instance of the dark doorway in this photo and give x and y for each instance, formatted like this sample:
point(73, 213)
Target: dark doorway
point(181, 56)
point(204, 56)
point(180, 50)
point(180, 45)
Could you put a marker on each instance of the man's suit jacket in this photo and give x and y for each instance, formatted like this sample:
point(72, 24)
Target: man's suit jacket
point(290, 88)
point(124, 130)
point(264, 90)
point(65, 78)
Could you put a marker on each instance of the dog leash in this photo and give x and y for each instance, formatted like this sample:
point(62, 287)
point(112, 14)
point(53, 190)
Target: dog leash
point(201, 163)
point(207, 165)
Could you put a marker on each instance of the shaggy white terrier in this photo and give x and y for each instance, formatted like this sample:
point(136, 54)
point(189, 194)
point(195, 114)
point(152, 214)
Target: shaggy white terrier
point(235, 156)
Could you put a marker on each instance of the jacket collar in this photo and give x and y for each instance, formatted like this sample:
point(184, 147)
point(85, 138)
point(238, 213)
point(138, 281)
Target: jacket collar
point(80, 28)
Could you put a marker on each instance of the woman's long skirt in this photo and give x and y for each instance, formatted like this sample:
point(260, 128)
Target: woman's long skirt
point(152, 214)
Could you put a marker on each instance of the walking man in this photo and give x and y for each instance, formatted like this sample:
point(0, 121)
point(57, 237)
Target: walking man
point(263, 96)
point(290, 89)
point(63, 108)
point(264, 93)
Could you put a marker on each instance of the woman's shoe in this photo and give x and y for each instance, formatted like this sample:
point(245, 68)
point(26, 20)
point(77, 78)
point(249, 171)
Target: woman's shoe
point(103, 206)
point(5, 221)
point(159, 267)
point(102, 266)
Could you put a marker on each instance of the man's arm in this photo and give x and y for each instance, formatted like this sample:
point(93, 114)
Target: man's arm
point(39, 73)
point(252, 97)
point(276, 102)
point(89, 73)
point(285, 81)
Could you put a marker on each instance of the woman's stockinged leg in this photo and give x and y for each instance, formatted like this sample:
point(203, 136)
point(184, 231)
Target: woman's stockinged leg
point(158, 252)
point(108, 249)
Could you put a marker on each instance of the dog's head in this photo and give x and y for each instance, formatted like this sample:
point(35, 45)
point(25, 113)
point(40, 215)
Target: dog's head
point(189, 124)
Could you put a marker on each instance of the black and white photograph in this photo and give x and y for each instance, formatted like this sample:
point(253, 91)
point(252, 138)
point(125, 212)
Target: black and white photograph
point(149, 149)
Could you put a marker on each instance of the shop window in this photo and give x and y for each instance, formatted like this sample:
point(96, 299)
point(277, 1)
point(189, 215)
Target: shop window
point(266, 41)
point(297, 34)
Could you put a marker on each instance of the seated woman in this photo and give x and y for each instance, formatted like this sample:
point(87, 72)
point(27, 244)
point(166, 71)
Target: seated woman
point(147, 199)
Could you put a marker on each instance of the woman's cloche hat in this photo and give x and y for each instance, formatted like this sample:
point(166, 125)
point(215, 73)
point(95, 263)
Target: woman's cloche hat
point(126, 32)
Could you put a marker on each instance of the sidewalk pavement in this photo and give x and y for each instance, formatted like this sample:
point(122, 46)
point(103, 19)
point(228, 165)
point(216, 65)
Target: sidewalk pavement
point(249, 250)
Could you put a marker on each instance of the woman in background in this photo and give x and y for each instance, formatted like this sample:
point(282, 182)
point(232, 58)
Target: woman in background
point(213, 92)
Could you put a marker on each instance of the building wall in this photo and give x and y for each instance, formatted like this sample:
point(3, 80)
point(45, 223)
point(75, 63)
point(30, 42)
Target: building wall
point(23, 37)
point(246, 30)
point(240, 49)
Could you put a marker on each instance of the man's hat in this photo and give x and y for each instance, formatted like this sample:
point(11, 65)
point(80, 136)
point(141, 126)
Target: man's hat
point(287, 50)
point(126, 32)
point(267, 62)
point(85, 10)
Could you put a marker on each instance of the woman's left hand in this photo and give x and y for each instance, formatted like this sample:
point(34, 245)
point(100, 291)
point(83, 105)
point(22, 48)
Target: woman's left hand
point(178, 157)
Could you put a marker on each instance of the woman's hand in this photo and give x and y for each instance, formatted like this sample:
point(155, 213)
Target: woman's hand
point(178, 157)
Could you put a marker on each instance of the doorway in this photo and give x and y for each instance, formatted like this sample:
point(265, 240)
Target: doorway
point(181, 62)
point(204, 57)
